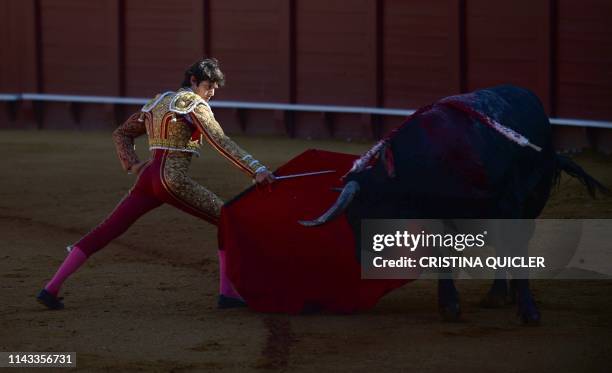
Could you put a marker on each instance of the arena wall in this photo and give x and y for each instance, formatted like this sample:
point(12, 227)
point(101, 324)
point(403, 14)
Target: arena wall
point(382, 53)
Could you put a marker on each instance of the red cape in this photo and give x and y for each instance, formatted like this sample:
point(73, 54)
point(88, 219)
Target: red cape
point(278, 265)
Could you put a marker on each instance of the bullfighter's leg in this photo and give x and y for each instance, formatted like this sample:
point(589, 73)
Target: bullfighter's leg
point(130, 208)
point(181, 191)
point(176, 188)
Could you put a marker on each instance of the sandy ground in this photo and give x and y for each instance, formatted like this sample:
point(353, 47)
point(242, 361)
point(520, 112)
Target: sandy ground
point(148, 301)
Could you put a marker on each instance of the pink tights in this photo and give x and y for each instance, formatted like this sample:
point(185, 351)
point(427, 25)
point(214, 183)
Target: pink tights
point(76, 258)
point(148, 194)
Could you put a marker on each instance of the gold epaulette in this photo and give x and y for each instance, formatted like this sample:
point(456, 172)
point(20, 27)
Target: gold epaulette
point(151, 104)
point(185, 102)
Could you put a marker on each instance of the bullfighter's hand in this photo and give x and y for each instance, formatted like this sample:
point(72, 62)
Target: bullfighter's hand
point(264, 177)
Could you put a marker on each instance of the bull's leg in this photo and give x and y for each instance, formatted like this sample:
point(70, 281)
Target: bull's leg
point(517, 234)
point(448, 296)
point(512, 297)
point(527, 310)
point(448, 300)
point(498, 294)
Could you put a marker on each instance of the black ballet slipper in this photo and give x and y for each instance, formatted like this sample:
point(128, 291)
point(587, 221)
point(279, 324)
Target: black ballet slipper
point(49, 300)
point(227, 302)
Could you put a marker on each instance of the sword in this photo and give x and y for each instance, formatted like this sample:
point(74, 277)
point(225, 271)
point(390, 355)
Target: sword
point(304, 174)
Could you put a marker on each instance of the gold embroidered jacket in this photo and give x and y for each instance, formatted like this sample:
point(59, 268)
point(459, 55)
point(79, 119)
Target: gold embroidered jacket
point(179, 121)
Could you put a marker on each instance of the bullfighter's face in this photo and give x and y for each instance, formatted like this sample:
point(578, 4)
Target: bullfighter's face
point(204, 89)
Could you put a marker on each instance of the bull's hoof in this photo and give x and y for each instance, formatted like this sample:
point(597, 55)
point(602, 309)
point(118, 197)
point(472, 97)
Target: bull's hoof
point(529, 314)
point(450, 312)
point(494, 301)
point(531, 318)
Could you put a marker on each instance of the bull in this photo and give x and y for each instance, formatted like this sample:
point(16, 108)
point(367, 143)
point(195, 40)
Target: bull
point(481, 155)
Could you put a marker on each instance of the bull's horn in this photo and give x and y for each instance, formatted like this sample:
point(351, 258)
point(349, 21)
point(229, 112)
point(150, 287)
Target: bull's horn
point(348, 193)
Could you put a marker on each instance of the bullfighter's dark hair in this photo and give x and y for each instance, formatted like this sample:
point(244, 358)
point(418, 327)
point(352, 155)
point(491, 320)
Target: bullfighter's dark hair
point(206, 69)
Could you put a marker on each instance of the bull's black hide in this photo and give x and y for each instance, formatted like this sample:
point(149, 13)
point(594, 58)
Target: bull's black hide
point(449, 164)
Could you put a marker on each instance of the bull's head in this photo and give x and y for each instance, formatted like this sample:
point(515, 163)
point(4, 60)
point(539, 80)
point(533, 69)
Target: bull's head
point(362, 175)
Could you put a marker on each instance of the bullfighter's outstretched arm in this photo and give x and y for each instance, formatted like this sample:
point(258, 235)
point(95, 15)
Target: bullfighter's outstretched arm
point(214, 135)
point(198, 112)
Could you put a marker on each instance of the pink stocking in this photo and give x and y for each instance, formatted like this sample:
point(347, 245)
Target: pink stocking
point(75, 259)
point(225, 285)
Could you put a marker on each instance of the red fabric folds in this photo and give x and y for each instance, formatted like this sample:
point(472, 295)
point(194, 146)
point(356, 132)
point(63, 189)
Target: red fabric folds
point(278, 265)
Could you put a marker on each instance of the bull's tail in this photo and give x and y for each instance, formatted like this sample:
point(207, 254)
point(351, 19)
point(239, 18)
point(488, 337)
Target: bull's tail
point(564, 163)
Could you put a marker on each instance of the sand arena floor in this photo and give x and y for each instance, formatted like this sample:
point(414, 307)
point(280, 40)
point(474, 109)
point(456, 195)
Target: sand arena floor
point(148, 301)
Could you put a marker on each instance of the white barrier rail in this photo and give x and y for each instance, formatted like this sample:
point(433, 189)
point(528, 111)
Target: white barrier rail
point(262, 106)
